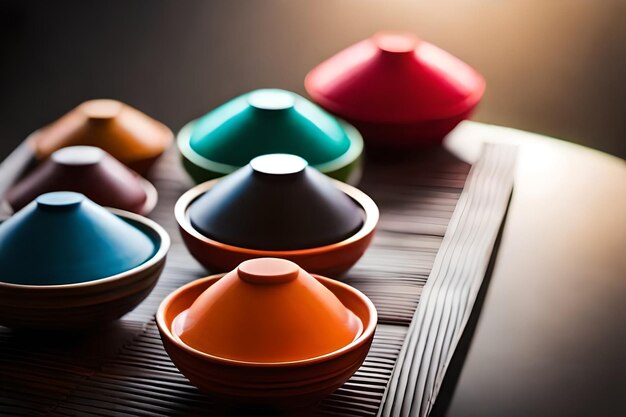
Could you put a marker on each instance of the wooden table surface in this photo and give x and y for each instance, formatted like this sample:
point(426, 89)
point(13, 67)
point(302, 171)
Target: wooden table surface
point(547, 338)
point(550, 337)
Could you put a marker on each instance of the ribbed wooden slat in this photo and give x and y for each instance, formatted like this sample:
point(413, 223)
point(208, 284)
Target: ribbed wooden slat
point(450, 292)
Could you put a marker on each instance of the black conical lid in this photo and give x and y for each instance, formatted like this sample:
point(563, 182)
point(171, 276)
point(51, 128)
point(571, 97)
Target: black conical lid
point(276, 202)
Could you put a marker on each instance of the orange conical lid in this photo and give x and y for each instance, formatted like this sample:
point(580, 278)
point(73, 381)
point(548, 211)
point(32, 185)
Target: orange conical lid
point(267, 310)
point(123, 131)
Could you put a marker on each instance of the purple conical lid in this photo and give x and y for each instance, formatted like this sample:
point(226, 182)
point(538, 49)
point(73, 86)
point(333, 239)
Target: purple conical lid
point(276, 202)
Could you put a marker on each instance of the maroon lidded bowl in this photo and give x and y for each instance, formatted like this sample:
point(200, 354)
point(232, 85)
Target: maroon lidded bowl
point(91, 171)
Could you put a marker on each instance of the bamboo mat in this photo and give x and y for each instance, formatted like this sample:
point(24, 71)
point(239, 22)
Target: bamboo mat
point(122, 369)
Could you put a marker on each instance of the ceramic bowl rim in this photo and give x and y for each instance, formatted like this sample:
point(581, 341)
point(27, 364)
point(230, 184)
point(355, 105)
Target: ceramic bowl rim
point(158, 256)
point(368, 328)
point(354, 151)
point(152, 195)
point(369, 207)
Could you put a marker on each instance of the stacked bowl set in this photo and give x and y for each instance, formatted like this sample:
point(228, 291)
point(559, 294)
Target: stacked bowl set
point(273, 207)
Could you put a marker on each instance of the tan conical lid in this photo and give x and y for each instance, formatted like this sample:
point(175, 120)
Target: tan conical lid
point(123, 131)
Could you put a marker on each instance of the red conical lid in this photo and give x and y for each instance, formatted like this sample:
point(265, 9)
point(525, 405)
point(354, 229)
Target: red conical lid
point(395, 77)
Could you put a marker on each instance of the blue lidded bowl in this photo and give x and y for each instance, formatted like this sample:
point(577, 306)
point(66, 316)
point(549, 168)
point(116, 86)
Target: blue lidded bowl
point(67, 263)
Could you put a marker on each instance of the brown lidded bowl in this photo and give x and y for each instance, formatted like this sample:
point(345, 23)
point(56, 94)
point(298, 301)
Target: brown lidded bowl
point(91, 171)
point(267, 333)
point(130, 136)
point(279, 207)
point(67, 263)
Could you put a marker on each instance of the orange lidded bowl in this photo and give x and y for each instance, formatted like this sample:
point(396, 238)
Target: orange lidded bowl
point(130, 136)
point(267, 332)
point(277, 206)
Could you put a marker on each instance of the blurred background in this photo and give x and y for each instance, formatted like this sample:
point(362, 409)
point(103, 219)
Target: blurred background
point(555, 67)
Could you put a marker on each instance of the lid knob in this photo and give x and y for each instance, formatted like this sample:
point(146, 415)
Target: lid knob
point(278, 164)
point(78, 156)
point(268, 271)
point(397, 43)
point(103, 109)
point(60, 200)
point(271, 99)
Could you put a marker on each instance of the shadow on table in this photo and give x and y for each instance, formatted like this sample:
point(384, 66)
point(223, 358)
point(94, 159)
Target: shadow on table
point(86, 349)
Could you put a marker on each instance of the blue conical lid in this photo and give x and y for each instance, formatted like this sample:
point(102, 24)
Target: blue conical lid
point(65, 238)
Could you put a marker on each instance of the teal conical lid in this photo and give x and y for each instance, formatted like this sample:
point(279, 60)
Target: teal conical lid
point(65, 238)
point(268, 121)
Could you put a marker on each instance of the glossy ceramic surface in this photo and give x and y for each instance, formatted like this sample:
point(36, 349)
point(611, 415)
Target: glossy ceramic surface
point(90, 171)
point(267, 310)
point(132, 137)
point(332, 259)
point(280, 384)
point(85, 305)
point(276, 203)
point(264, 122)
point(397, 89)
point(64, 238)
